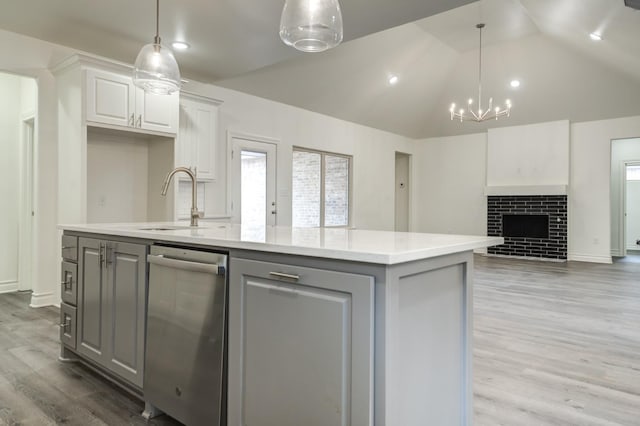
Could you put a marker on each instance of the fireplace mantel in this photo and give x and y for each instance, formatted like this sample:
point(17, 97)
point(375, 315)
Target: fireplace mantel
point(525, 190)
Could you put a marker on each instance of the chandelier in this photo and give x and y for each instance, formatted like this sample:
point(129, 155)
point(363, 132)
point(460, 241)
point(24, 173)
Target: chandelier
point(479, 115)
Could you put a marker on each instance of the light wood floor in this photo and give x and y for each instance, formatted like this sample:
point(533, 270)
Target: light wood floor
point(555, 344)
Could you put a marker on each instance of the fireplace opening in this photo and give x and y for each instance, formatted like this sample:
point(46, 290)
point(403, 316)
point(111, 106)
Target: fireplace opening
point(525, 225)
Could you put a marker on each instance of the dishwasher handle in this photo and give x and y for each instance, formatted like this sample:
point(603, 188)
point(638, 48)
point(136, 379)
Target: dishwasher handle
point(161, 260)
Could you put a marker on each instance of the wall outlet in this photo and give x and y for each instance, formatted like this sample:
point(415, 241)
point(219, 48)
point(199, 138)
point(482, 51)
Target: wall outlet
point(638, 242)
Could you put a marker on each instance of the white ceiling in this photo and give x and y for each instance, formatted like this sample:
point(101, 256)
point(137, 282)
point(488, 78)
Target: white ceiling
point(544, 43)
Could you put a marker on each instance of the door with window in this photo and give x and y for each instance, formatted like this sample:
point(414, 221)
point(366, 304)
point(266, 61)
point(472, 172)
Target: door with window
point(253, 182)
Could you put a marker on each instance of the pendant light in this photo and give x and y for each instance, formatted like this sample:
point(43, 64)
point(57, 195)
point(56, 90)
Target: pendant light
point(156, 69)
point(311, 25)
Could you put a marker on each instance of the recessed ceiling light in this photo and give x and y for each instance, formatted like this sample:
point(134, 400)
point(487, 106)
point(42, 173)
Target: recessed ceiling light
point(595, 36)
point(180, 45)
point(393, 79)
point(515, 83)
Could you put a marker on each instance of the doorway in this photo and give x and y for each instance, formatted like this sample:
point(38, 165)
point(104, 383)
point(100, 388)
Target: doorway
point(625, 157)
point(402, 192)
point(632, 208)
point(253, 181)
point(17, 151)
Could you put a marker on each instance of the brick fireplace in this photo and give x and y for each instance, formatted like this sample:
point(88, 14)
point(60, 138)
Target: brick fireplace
point(533, 226)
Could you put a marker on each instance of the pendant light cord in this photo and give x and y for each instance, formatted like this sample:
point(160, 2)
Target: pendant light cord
point(480, 26)
point(156, 40)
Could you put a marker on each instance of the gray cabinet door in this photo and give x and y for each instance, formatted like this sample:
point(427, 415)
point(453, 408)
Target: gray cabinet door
point(112, 292)
point(300, 351)
point(92, 297)
point(126, 303)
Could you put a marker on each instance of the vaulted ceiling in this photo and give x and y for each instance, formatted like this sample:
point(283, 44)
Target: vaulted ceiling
point(431, 46)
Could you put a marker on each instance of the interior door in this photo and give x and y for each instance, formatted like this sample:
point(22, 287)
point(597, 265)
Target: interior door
point(253, 182)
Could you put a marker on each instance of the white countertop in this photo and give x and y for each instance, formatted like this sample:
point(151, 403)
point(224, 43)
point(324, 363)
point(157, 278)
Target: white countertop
point(381, 247)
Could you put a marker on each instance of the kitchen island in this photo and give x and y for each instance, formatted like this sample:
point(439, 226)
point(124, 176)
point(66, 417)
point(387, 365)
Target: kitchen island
point(326, 326)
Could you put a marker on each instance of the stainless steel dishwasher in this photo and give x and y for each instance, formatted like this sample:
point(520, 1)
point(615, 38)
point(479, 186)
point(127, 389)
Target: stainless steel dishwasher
point(186, 331)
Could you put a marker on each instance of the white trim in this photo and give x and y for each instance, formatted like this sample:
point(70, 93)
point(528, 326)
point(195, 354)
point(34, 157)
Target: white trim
point(8, 286)
point(589, 258)
point(43, 299)
point(26, 237)
point(201, 98)
point(525, 190)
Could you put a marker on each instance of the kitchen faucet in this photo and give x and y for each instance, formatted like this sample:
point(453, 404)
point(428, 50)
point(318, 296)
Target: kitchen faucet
point(195, 214)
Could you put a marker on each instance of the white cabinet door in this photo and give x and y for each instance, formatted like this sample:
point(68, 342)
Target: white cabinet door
point(196, 143)
point(157, 112)
point(300, 351)
point(110, 98)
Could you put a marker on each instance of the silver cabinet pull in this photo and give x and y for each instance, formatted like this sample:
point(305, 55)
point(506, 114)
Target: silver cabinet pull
point(66, 324)
point(132, 119)
point(108, 252)
point(67, 283)
point(286, 276)
point(140, 120)
point(101, 255)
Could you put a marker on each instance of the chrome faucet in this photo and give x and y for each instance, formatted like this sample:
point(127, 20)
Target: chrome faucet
point(195, 214)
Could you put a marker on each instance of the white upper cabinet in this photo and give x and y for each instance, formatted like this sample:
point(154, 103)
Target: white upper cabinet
point(112, 99)
point(196, 142)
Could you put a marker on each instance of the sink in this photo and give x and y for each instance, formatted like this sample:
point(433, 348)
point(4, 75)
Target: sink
point(168, 228)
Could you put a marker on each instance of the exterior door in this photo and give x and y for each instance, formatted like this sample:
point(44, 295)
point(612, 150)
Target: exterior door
point(253, 182)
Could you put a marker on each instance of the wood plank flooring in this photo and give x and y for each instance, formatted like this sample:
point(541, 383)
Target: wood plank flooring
point(37, 389)
point(555, 344)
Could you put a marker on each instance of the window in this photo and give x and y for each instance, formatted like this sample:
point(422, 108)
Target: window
point(320, 189)
point(633, 172)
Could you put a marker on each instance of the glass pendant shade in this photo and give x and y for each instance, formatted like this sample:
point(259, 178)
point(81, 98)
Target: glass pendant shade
point(311, 25)
point(156, 70)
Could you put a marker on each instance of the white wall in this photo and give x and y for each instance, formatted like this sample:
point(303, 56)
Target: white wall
point(449, 185)
point(9, 179)
point(621, 150)
point(30, 57)
point(373, 152)
point(590, 192)
point(117, 178)
point(447, 202)
point(535, 154)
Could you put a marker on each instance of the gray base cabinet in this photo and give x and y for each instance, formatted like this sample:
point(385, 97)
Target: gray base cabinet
point(110, 322)
point(300, 346)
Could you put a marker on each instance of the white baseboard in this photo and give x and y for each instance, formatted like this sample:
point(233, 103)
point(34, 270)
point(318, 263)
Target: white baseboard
point(482, 251)
point(8, 286)
point(43, 299)
point(589, 258)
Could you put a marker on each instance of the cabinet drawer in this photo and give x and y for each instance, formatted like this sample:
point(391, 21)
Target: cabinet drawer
point(70, 248)
point(69, 283)
point(68, 325)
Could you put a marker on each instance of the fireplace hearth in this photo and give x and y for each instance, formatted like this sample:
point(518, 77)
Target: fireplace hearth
point(532, 225)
